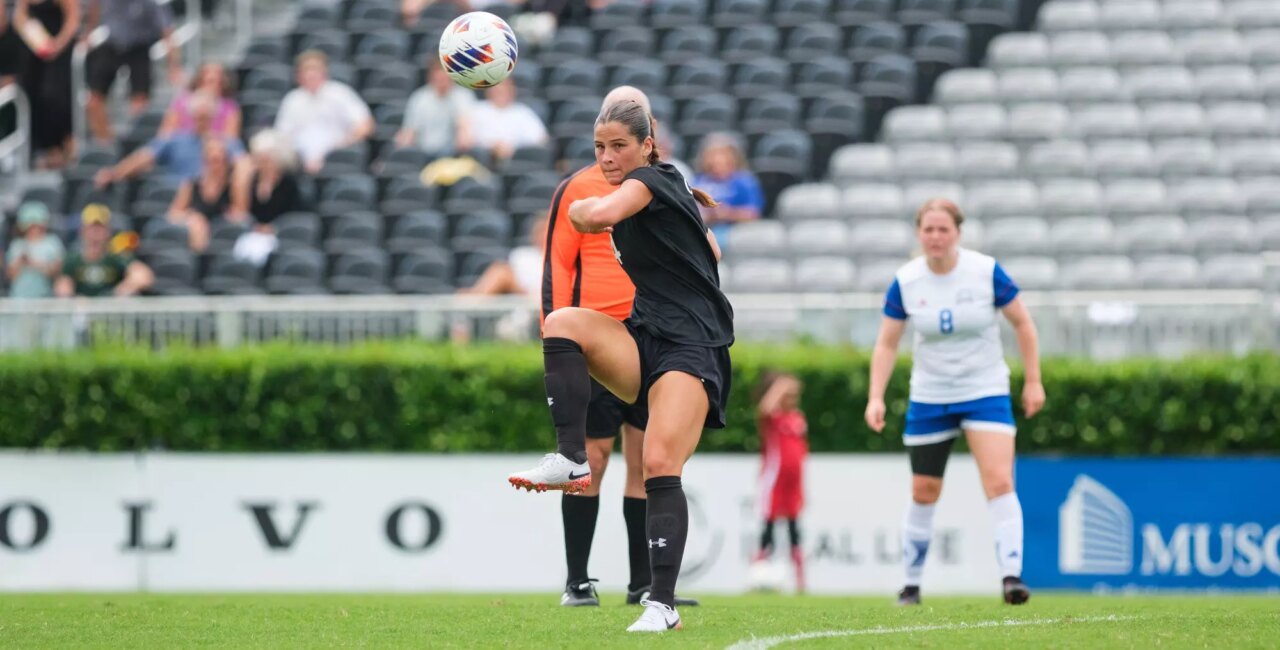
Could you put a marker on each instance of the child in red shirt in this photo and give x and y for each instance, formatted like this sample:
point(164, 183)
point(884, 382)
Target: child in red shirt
point(784, 445)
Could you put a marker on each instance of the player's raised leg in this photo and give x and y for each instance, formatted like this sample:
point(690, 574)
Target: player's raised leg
point(579, 344)
point(678, 410)
point(993, 451)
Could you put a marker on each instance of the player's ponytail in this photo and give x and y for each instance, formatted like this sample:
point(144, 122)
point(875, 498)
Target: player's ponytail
point(703, 198)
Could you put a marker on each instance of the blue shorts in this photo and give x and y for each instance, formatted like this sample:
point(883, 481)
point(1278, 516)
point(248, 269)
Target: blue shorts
point(930, 423)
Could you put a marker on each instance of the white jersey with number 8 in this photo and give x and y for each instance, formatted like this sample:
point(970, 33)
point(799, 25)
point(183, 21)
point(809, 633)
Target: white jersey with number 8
point(957, 355)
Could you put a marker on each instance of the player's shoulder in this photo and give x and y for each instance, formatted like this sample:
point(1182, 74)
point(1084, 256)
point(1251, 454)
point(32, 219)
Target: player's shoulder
point(914, 271)
point(972, 262)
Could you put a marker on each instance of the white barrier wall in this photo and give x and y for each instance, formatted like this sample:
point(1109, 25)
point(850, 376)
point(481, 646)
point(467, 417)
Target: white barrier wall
point(360, 522)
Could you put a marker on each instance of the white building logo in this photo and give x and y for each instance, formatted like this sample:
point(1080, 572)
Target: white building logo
point(1095, 531)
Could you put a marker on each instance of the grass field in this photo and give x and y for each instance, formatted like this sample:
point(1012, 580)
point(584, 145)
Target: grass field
point(758, 622)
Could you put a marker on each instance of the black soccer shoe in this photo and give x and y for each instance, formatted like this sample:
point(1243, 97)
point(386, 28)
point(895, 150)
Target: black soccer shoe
point(1015, 591)
point(910, 595)
point(582, 594)
point(634, 598)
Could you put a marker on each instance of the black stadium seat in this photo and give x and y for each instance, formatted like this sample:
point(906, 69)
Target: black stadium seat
point(417, 229)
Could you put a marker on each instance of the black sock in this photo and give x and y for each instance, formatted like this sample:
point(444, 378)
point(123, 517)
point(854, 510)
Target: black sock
point(568, 393)
point(793, 527)
point(579, 514)
point(633, 510)
point(668, 516)
point(766, 538)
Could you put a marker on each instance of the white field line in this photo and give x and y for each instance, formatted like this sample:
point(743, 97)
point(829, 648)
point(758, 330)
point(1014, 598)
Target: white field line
point(772, 641)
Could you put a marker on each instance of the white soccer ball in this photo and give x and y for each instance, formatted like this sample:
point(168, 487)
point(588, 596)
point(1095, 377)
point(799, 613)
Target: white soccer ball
point(766, 576)
point(478, 50)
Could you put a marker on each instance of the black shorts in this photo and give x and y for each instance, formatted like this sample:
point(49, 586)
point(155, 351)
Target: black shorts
point(930, 459)
point(106, 61)
point(659, 356)
point(607, 412)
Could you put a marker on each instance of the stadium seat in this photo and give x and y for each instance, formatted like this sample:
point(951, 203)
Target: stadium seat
point(1076, 236)
point(749, 42)
point(532, 192)
point(1178, 16)
point(1168, 272)
point(416, 230)
point(1123, 158)
point(1031, 123)
point(882, 237)
point(381, 46)
point(361, 271)
point(1174, 120)
point(232, 277)
point(707, 113)
point(925, 161)
point(732, 13)
point(1021, 85)
point(1241, 121)
point(1222, 234)
point(351, 162)
point(471, 264)
point(980, 160)
point(761, 275)
point(809, 201)
point(848, 13)
point(1009, 198)
point(469, 195)
point(570, 44)
point(818, 237)
point(1098, 272)
point(986, 19)
point(677, 13)
point(1071, 198)
point(1187, 158)
point(314, 16)
point(332, 42)
point(763, 75)
point(1208, 196)
point(822, 76)
point(1252, 158)
point(966, 86)
point(1227, 83)
point(1017, 235)
point(1212, 47)
point(426, 269)
point(1133, 15)
point(388, 81)
point(161, 236)
point(1233, 272)
point(1102, 121)
point(916, 193)
point(917, 13)
point(1019, 50)
point(646, 74)
point(1135, 49)
point(1156, 234)
point(689, 42)
point(481, 229)
point(618, 14)
point(1080, 49)
point(835, 274)
point(1134, 197)
point(346, 193)
point(980, 122)
point(862, 162)
point(298, 229)
point(936, 48)
point(154, 197)
point(876, 274)
point(874, 39)
point(770, 112)
point(1069, 17)
point(175, 272)
point(573, 79)
point(368, 16)
point(223, 235)
point(354, 230)
point(811, 41)
point(833, 121)
point(1058, 159)
point(915, 124)
point(870, 201)
point(780, 159)
point(1086, 85)
point(757, 239)
point(695, 78)
point(296, 270)
point(1032, 273)
point(625, 44)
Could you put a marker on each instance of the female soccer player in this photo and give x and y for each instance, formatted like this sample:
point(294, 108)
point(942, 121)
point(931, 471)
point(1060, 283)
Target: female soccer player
point(784, 445)
point(959, 382)
point(672, 354)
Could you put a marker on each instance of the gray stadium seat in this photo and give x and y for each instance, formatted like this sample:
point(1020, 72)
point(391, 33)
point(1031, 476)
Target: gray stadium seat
point(862, 162)
point(1185, 15)
point(1058, 159)
point(1091, 85)
point(1030, 123)
point(1122, 158)
point(977, 122)
point(756, 239)
point(915, 123)
point(1071, 197)
point(1263, 46)
point(1233, 272)
point(1032, 273)
point(1212, 46)
point(1252, 158)
point(1168, 272)
point(1080, 48)
point(1098, 272)
point(1227, 82)
point(1241, 121)
point(882, 237)
point(871, 201)
point(1187, 158)
point(966, 86)
point(1017, 236)
point(1135, 14)
point(809, 201)
point(1134, 197)
point(1069, 16)
point(1019, 49)
point(1267, 230)
point(1253, 14)
point(1153, 234)
point(1161, 84)
point(1223, 234)
point(979, 160)
point(925, 161)
point(877, 274)
point(1261, 196)
point(915, 194)
point(1269, 84)
point(1199, 197)
point(818, 237)
point(761, 275)
point(1144, 48)
point(1102, 121)
point(1009, 198)
point(1075, 236)
point(1020, 85)
point(834, 274)
point(1174, 120)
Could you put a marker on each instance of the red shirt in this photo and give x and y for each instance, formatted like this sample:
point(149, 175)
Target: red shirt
point(784, 434)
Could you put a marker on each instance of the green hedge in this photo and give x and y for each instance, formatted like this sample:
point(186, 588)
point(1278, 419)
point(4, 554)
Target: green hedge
point(426, 397)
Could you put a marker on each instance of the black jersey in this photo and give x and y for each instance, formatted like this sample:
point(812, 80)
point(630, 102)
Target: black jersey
point(664, 250)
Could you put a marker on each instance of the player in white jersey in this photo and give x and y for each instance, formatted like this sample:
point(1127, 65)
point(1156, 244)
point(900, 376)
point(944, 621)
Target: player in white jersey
point(959, 383)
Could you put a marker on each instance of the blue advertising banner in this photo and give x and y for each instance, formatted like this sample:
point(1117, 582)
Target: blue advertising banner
point(1151, 523)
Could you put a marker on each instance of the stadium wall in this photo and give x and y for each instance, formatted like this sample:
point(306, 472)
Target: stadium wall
point(170, 522)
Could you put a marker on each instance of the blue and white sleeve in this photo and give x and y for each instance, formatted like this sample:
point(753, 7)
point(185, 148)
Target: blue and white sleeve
point(1005, 289)
point(893, 307)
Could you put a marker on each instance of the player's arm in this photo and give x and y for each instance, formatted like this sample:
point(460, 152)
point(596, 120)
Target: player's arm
point(715, 245)
point(885, 355)
point(771, 402)
point(1029, 344)
point(601, 213)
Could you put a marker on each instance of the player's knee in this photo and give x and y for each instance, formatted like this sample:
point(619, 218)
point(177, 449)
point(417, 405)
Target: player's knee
point(563, 323)
point(998, 485)
point(926, 489)
point(660, 464)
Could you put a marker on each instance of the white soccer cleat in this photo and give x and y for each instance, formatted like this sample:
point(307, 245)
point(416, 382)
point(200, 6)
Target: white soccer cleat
point(656, 618)
point(555, 472)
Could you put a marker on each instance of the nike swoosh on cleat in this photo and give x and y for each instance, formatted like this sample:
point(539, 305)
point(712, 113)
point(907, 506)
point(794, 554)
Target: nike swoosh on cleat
point(574, 477)
point(672, 626)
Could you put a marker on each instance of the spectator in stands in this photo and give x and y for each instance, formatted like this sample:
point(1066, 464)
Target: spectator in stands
point(508, 124)
point(179, 156)
point(91, 269)
point(48, 28)
point(321, 115)
point(35, 259)
point(212, 80)
point(438, 117)
point(206, 197)
point(133, 26)
point(269, 188)
point(520, 273)
point(723, 173)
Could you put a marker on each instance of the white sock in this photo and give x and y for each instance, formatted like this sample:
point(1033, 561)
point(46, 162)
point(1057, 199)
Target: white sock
point(917, 530)
point(1006, 523)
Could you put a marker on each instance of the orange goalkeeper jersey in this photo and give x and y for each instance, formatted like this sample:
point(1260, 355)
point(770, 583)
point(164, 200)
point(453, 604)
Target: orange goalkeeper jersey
point(579, 269)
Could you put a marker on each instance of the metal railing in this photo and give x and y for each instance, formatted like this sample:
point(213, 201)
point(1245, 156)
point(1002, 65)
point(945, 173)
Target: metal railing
point(17, 145)
point(1092, 324)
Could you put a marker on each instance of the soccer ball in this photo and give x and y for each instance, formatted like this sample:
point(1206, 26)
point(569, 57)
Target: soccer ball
point(478, 50)
point(766, 576)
